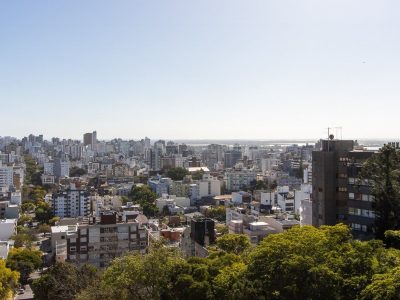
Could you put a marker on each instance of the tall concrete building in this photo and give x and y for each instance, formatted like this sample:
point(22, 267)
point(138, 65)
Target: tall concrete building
point(90, 139)
point(339, 195)
point(6, 177)
point(71, 203)
point(232, 156)
point(329, 196)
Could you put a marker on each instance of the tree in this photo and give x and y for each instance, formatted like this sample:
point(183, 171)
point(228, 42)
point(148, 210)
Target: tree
point(383, 171)
point(198, 175)
point(25, 261)
point(227, 284)
point(28, 207)
point(77, 172)
point(24, 219)
point(44, 228)
point(383, 286)
point(63, 281)
point(218, 213)
point(234, 243)
point(313, 263)
point(392, 238)
point(43, 212)
point(23, 239)
point(144, 196)
point(222, 229)
point(8, 280)
point(143, 193)
point(258, 185)
point(177, 173)
point(148, 277)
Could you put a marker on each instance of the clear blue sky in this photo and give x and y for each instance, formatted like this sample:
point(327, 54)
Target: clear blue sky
point(200, 69)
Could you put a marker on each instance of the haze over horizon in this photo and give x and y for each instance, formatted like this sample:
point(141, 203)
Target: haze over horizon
point(253, 70)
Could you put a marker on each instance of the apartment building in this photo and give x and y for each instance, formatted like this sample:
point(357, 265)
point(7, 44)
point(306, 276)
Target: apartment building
point(6, 177)
point(71, 203)
point(339, 195)
point(236, 180)
point(100, 240)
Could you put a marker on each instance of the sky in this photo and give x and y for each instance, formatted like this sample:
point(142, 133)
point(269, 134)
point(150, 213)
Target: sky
point(210, 69)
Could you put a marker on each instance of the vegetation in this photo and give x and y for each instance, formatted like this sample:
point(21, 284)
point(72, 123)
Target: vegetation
point(234, 243)
point(144, 196)
point(383, 171)
point(43, 212)
point(24, 261)
point(33, 171)
point(63, 281)
point(222, 229)
point(217, 213)
point(177, 173)
point(302, 263)
point(8, 280)
point(24, 238)
point(258, 185)
point(198, 175)
point(77, 172)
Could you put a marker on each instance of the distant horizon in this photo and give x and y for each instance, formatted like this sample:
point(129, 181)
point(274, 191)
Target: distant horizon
point(214, 140)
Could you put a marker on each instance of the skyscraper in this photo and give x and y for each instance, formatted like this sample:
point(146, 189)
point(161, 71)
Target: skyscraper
point(339, 195)
point(90, 138)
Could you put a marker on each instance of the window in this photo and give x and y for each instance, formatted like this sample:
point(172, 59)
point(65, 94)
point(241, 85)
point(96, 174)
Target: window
point(83, 248)
point(354, 211)
point(365, 197)
point(351, 180)
point(351, 195)
point(72, 248)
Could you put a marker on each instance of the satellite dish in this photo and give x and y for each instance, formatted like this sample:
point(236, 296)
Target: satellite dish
point(331, 137)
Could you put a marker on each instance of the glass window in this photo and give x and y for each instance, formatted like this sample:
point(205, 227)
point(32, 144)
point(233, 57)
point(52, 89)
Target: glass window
point(351, 195)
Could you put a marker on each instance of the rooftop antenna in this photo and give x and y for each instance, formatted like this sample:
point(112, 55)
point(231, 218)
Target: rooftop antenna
point(329, 136)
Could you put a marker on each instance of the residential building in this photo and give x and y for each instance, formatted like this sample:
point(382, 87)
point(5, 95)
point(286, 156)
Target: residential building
point(339, 194)
point(98, 242)
point(71, 203)
point(6, 177)
point(8, 228)
point(237, 180)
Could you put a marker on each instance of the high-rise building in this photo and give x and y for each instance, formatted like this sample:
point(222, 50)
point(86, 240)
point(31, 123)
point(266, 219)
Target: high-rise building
point(339, 195)
point(90, 139)
point(6, 177)
point(232, 156)
point(71, 203)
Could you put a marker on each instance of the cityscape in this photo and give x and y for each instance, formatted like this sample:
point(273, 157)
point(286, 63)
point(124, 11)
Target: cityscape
point(199, 150)
point(89, 202)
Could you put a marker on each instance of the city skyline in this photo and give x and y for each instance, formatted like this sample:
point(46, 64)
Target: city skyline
point(225, 70)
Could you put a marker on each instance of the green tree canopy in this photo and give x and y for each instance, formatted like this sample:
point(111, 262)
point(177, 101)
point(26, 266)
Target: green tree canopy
point(43, 212)
point(143, 193)
point(383, 171)
point(24, 260)
point(218, 213)
point(63, 281)
point(234, 243)
point(8, 280)
point(77, 172)
point(177, 173)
